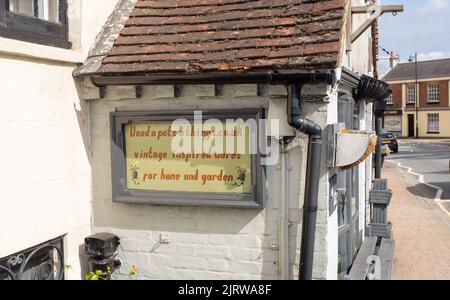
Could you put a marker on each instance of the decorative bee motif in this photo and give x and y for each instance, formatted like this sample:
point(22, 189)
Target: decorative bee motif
point(241, 176)
point(135, 173)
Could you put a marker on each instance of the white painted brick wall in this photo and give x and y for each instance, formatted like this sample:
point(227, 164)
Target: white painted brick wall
point(203, 242)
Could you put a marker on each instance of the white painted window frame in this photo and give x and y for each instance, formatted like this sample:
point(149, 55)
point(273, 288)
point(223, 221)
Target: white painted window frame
point(410, 94)
point(433, 123)
point(433, 93)
point(390, 100)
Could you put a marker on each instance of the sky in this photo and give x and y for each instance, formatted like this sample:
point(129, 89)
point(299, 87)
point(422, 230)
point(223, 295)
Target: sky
point(423, 27)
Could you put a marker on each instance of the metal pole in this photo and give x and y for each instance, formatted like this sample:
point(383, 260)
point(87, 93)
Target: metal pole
point(379, 109)
point(417, 100)
point(378, 163)
point(284, 237)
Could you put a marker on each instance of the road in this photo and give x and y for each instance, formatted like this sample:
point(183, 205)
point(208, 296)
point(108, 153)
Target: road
point(429, 158)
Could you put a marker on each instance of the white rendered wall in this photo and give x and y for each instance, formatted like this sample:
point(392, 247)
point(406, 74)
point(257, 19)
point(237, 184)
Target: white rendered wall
point(203, 242)
point(45, 186)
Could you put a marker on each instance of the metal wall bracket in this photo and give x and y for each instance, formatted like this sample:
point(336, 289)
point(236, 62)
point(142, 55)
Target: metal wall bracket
point(375, 12)
point(102, 92)
point(139, 90)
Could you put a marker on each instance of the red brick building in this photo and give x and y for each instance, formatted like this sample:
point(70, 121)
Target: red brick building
point(431, 104)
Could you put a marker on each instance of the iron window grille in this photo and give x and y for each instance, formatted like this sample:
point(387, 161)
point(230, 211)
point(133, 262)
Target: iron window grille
point(42, 262)
point(37, 21)
point(433, 93)
point(433, 123)
point(410, 94)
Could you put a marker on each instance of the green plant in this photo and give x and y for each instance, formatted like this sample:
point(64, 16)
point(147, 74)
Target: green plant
point(99, 275)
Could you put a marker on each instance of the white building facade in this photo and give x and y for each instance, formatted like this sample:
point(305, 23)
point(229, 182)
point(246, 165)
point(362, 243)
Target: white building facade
point(66, 121)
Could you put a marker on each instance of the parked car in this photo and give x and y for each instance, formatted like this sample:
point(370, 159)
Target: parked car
point(390, 140)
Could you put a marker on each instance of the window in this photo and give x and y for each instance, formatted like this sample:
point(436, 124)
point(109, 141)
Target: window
point(42, 9)
point(433, 123)
point(347, 194)
point(148, 169)
point(410, 94)
point(433, 93)
point(36, 21)
point(389, 100)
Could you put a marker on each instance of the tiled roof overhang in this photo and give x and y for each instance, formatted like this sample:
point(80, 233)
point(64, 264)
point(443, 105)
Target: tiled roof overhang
point(210, 36)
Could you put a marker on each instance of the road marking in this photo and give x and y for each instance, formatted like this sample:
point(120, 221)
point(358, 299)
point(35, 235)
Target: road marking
point(439, 191)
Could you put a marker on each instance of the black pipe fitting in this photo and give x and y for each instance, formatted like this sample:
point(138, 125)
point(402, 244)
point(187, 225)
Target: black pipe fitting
point(310, 204)
point(293, 113)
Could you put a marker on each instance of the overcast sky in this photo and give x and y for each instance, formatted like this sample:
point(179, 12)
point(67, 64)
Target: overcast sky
point(424, 27)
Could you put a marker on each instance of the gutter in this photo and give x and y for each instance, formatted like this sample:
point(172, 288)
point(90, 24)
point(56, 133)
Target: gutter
point(214, 78)
point(284, 212)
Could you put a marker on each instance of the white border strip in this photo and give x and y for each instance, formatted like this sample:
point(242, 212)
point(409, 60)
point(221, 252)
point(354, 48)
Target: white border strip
point(439, 191)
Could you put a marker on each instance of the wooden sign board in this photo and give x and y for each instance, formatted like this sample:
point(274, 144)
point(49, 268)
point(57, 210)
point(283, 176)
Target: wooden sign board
point(157, 162)
point(152, 164)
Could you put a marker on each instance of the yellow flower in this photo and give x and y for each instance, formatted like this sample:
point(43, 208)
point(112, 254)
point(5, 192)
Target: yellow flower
point(133, 270)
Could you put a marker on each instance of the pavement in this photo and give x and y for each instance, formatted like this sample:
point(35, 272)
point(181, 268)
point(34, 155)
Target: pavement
point(421, 227)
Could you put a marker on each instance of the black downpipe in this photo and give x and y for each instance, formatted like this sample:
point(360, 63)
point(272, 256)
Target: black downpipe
point(378, 158)
point(314, 132)
point(379, 108)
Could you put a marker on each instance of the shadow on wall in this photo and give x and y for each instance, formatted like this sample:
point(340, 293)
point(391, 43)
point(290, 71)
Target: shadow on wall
point(82, 113)
point(83, 261)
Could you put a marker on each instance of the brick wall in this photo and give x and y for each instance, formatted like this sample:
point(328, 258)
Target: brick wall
point(204, 242)
point(443, 94)
point(396, 95)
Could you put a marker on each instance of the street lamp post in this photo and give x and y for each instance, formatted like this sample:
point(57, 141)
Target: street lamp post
point(417, 99)
point(416, 93)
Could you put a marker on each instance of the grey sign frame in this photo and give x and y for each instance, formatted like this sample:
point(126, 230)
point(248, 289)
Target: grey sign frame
point(120, 193)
